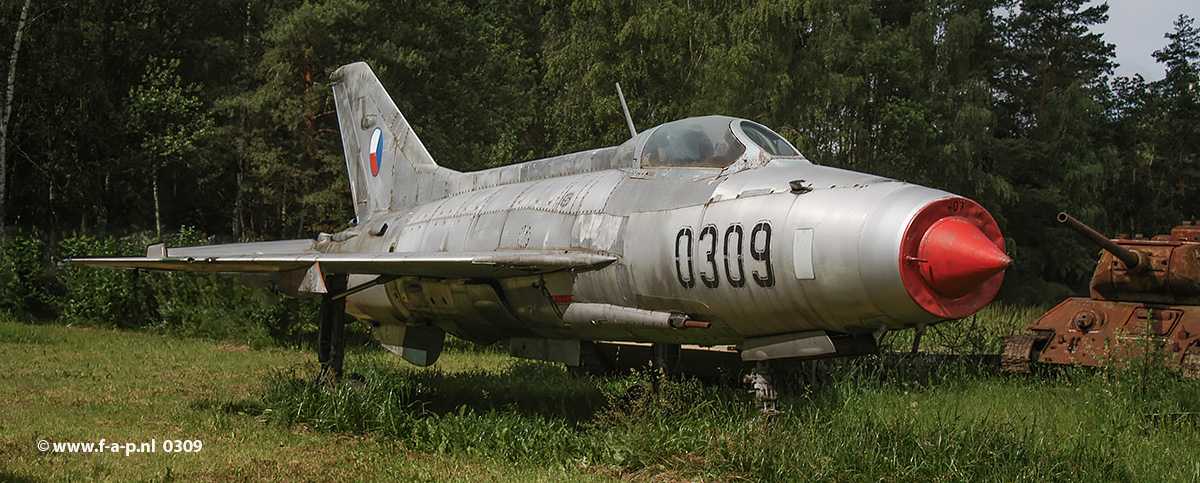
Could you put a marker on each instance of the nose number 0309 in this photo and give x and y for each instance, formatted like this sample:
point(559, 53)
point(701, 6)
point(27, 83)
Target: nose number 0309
point(730, 246)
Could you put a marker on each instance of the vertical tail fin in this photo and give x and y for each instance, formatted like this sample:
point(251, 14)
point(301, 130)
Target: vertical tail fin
point(389, 167)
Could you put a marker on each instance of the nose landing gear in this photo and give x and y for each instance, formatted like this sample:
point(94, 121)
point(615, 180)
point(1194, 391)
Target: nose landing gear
point(765, 396)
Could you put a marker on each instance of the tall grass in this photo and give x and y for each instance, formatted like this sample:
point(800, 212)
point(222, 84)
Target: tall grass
point(980, 333)
point(869, 420)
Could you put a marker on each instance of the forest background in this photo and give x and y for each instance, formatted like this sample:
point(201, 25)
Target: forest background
point(125, 120)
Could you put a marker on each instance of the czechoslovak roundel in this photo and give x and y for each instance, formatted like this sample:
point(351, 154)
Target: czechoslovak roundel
point(376, 151)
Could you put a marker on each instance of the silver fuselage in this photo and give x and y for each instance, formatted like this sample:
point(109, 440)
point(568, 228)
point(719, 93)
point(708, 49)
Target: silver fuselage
point(734, 246)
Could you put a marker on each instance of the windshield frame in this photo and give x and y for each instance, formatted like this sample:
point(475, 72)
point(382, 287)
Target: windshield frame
point(777, 146)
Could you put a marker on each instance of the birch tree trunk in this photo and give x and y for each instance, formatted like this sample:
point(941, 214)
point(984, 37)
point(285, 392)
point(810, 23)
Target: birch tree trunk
point(8, 96)
point(157, 215)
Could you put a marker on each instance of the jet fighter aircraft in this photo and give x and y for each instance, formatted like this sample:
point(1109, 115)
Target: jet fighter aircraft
point(709, 231)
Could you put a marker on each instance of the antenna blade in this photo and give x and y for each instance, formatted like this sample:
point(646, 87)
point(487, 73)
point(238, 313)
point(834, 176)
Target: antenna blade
point(628, 118)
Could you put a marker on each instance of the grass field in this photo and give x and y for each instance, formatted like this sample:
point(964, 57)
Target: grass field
point(82, 385)
point(482, 416)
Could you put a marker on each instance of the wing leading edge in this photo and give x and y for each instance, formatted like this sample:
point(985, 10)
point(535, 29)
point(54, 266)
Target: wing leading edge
point(291, 255)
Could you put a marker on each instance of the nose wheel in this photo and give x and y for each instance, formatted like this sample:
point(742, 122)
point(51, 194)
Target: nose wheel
point(918, 332)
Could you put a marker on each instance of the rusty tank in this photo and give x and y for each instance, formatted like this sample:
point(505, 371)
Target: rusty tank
point(1145, 294)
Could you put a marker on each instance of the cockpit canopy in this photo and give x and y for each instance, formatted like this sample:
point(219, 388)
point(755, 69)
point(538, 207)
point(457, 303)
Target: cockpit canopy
point(709, 142)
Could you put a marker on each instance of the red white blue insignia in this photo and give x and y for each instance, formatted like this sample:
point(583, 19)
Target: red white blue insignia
point(376, 151)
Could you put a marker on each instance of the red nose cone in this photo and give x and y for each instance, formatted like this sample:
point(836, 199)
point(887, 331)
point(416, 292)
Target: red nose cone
point(952, 258)
point(959, 257)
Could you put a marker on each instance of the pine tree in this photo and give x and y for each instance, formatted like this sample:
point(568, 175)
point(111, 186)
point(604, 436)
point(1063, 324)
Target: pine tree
point(1179, 136)
point(1048, 146)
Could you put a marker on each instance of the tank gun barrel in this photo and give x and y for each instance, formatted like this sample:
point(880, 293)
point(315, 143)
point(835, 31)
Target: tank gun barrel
point(1127, 256)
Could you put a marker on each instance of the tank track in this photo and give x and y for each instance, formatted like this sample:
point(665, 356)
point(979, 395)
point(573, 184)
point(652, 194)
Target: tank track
point(1189, 365)
point(1016, 353)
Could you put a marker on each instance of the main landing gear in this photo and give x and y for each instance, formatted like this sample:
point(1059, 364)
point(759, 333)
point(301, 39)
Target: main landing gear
point(331, 337)
point(664, 362)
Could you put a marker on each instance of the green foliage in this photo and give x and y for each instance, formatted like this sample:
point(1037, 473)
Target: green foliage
point(221, 308)
point(166, 115)
point(244, 309)
point(104, 298)
point(526, 418)
point(27, 285)
point(82, 384)
point(1048, 138)
point(978, 334)
point(1157, 139)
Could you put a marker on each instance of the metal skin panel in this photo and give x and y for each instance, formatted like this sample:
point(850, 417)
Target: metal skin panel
point(603, 233)
point(529, 229)
point(462, 205)
point(804, 344)
point(486, 230)
point(568, 164)
point(488, 264)
point(571, 195)
point(598, 231)
point(257, 248)
point(458, 231)
point(856, 246)
point(373, 304)
point(529, 299)
point(553, 195)
point(502, 198)
point(641, 193)
point(404, 173)
point(433, 237)
point(423, 213)
point(408, 237)
point(879, 247)
point(802, 254)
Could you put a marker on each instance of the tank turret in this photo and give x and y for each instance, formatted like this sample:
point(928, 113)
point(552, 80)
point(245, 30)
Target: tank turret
point(1143, 289)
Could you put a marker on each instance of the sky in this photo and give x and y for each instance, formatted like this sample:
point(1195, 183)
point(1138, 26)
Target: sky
point(1137, 28)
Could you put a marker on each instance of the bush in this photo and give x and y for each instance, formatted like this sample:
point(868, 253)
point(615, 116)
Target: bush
point(243, 308)
point(36, 285)
point(104, 298)
point(27, 280)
